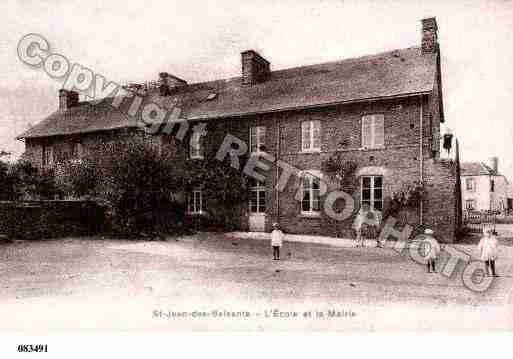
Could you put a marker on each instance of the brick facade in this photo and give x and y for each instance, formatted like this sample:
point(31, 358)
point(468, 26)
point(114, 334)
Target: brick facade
point(403, 86)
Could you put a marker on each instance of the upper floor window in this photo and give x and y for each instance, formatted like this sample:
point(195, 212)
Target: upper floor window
point(257, 139)
point(47, 156)
point(470, 184)
point(196, 145)
point(76, 150)
point(373, 131)
point(311, 194)
point(372, 192)
point(492, 185)
point(195, 202)
point(311, 136)
point(155, 143)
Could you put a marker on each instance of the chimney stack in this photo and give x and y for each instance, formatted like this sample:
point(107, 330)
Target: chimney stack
point(494, 164)
point(67, 99)
point(255, 68)
point(169, 82)
point(429, 36)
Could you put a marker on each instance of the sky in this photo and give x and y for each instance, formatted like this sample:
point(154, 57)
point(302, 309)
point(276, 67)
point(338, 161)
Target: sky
point(202, 40)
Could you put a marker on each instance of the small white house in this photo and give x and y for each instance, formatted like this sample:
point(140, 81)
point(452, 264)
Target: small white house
point(483, 188)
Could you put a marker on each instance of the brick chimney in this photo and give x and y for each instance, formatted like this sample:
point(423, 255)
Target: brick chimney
point(67, 99)
point(429, 36)
point(255, 68)
point(168, 83)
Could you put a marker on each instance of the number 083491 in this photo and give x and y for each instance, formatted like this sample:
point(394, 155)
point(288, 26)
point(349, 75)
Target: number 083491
point(26, 348)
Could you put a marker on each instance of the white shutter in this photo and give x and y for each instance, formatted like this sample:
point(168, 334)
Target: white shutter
point(261, 138)
point(316, 136)
point(367, 131)
point(379, 130)
point(253, 139)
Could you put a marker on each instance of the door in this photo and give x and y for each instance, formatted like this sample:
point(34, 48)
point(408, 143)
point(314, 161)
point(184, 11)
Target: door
point(257, 209)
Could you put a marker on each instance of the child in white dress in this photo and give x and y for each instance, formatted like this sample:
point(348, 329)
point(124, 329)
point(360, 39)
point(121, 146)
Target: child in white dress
point(276, 241)
point(488, 250)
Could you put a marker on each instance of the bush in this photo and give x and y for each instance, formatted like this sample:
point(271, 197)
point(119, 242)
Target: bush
point(135, 180)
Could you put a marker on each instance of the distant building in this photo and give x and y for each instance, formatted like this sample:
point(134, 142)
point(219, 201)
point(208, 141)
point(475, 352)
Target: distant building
point(483, 188)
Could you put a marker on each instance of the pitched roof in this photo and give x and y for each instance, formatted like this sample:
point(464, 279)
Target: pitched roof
point(386, 75)
point(476, 169)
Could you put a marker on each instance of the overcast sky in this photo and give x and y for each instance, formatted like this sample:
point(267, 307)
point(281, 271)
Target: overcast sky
point(200, 40)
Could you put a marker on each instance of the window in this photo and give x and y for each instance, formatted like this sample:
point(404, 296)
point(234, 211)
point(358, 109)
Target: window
point(470, 204)
point(373, 131)
point(492, 185)
point(372, 192)
point(196, 146)
point(311, 136)
point(195, 202)
point(257, 198)
point(75, 150)
point(47, 156)
point(471, 184)
point(311, 194)
point(257, 139)
point(155, 143)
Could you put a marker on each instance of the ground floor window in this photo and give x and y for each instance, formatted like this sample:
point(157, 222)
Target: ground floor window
point(195, 202)
point(257, 200)
point(311, 194)
point(470, 204)
point(372, 192)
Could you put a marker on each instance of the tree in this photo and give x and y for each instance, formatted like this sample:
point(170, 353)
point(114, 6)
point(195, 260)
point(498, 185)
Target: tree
point(223, 186)
point(133, 178)
point(7, 183)
point(31, 182)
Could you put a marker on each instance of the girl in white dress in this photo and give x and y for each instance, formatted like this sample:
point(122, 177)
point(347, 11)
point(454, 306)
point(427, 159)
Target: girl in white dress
point(488, 250)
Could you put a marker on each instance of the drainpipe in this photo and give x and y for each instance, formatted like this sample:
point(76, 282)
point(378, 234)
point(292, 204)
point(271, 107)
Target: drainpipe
point(421, 156)
point(277, 169)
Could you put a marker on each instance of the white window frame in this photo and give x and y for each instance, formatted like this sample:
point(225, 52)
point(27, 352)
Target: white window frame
point(373, 127)
point(259, 189)
point(372, 201)
point(470, 204)
point(196, 146)
point(260, 133)
point(47, 156)
point(312, 128)
point(472, 182)
point(192, 207)
point(310, 177)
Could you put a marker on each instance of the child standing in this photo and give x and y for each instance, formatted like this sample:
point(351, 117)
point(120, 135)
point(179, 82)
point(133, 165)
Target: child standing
point(431, 249)
point(488, 248)
point(358, 225)
point(276, 241)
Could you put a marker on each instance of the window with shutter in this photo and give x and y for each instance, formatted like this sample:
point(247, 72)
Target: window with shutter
point(257, 139)
point(311, 136)
point(373, 131)
point(195, 146)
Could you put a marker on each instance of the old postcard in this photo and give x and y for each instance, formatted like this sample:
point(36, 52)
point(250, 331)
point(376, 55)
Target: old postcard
point(256, 166)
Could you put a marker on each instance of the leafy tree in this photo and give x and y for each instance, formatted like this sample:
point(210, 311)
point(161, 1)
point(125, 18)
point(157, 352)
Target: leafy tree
point(223, 187)
point(7, 183)
point(78, 178)
point(30, 182)
point(136, 180)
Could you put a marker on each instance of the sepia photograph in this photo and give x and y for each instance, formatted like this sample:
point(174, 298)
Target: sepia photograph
point(242, 166)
